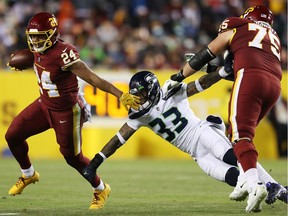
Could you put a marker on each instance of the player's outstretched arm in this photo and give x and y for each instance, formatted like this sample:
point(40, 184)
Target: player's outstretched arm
point(109, 149)
point(81, 70)
point(203, 82)
point(211, 78)
point(200, 59)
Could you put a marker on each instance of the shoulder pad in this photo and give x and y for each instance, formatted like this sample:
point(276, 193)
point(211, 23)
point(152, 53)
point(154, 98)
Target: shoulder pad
point(232, 22)
point(171, 92)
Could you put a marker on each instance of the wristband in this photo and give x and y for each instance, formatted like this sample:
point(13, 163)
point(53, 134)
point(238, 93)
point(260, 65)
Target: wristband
point(102, 155)
point(179, 77)
point(223, 73)
point(198, 86)
point(120, 137)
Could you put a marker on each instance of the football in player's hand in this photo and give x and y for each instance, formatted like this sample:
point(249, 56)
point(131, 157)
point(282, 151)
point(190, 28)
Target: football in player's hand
point(21, 59)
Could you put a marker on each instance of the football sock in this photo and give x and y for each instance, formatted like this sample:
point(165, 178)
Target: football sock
point(28, 172)
point(100, 187)
point(263, 175)
point(252, 178)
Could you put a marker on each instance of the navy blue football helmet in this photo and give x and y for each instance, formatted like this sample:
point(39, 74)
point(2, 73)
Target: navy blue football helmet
point(145, 85)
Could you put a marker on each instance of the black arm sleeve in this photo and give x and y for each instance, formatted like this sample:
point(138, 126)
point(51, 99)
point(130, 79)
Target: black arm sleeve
point(201, 58)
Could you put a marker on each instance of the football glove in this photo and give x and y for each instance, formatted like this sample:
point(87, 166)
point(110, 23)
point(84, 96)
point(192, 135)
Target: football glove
point(129, 100)
point(13, 68)
point(228, 65)
point(178, 77)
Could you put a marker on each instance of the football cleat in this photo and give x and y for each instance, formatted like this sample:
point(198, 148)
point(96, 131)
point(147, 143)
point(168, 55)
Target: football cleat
point(240, 192)
point(100, 198)
point(275, 191)
point(255, 198)
point(22, 182)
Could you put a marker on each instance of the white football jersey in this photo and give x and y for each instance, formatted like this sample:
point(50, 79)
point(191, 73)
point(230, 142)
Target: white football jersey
point(173, 120)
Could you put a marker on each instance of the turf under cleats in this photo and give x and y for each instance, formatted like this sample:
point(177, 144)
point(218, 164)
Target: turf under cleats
point(22, 182)
point(100, 198)
point(275, 191)
point(255, 198)
point(240, 192)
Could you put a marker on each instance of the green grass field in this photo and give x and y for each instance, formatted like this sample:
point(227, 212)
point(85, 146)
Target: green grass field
point(139, 187)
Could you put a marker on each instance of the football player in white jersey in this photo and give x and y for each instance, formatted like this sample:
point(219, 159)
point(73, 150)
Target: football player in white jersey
point(167, 113)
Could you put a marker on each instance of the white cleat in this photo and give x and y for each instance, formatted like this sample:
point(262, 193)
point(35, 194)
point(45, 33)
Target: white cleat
point(256, 196)
point(240, 192)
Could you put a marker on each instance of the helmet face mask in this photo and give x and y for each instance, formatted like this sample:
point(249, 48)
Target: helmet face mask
point(258, 14)
point(145, 85)
point(42, 32)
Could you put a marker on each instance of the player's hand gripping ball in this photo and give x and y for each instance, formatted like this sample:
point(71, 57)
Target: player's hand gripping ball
point(21, 59)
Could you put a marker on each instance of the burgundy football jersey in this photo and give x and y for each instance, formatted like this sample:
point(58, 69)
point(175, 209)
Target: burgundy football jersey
point(253, 43)
point(58, 86)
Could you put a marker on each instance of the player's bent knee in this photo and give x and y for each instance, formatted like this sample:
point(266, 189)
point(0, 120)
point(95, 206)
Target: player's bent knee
point(11, 137)
point(230, 157)
point(73, 160)
point(231, 176)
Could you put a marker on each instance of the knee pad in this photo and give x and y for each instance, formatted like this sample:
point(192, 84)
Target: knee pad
point(230, 157)
point(242, 147)
point(232, 176)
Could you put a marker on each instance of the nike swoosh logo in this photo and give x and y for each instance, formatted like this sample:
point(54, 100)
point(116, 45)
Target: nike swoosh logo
point(61, 122)
point(64, 49)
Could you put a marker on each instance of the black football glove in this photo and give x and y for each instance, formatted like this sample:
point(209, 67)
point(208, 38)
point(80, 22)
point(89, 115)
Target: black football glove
point(211, 67)
point(228, 66)
point(178, 77)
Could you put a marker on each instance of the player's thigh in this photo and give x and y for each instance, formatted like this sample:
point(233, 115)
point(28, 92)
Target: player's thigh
point(250, 102)
point(30, 121)
point(214, 141)
point(67, 126)
point(245, 107)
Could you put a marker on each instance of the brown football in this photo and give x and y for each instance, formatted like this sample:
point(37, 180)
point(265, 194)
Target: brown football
point(21, 59)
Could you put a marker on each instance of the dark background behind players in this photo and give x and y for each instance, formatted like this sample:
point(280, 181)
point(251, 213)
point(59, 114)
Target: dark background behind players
point(132, 34)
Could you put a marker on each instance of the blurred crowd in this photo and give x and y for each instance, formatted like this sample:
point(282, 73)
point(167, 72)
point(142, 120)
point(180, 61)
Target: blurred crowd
point(132, 34)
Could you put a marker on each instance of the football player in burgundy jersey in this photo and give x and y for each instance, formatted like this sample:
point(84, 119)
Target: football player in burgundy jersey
point(57, 65)
point(257, 74)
